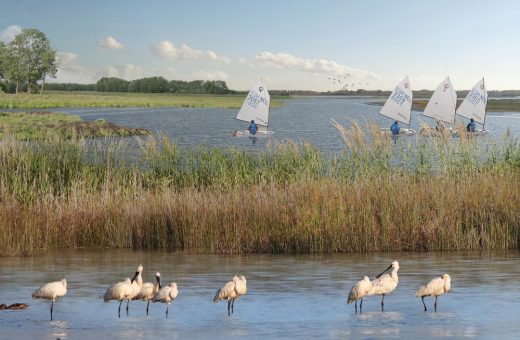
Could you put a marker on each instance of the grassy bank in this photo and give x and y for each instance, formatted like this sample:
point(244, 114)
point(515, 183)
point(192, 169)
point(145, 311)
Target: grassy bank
point(493, 105)
point(41, 125)
point(286, 199)
point(107, 99)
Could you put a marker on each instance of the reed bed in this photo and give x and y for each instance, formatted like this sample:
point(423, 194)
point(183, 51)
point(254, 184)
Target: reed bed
point(427, 194)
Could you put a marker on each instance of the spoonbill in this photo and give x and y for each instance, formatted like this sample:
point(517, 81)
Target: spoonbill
point(149, 290)
point(435, 287)
point(125, 290)
point(167, 295)
point(359, 291)
point(385, 284)
point(232, 291)
point(51, 291)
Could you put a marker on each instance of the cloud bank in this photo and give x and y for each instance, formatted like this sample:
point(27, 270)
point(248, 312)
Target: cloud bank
point(166, 50)
point(317, 66)
point(8, 34)
point(110, 43)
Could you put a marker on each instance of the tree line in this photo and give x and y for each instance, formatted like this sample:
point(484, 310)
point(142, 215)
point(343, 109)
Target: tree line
point(26, 62)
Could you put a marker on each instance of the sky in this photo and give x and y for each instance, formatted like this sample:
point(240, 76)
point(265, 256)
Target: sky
point(290, 44)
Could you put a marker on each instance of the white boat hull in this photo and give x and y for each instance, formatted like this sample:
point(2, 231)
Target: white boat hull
point(246, 133)
point(402, 132)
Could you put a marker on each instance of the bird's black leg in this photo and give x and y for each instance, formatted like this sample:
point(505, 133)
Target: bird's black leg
point(383, 303)
point(232, 306)
point(361, 307)
point(435, 303)
point(52, 305)
point(229, 307)
point(119, 310)
point(147, 305)
point(355, 306)
point(167, 306)
point(424, 304)
point(127, 303)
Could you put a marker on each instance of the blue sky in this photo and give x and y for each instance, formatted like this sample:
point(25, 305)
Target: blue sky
point(290, 44)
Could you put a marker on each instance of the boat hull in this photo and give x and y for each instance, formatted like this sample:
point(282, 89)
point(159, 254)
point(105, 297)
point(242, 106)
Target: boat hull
point(402, 132)
point(245, 133)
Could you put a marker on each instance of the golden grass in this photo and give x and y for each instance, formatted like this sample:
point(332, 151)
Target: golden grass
point(430, 195)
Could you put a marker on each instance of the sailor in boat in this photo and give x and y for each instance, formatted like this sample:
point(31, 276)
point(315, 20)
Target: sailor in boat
point(395, 128)
point(252, 128)
point(471, 125)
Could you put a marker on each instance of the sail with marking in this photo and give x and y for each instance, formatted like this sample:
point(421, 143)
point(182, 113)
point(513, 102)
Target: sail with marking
point(442, 104)
point(256, 106)
point(399, 105)
point(474, 105)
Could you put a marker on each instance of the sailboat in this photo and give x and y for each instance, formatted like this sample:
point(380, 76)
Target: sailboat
point(255, 107)
point(474, 106)
point(399, 106)
point(441, 106)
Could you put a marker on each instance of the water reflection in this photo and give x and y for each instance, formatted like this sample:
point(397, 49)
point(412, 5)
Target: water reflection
point(289, 296)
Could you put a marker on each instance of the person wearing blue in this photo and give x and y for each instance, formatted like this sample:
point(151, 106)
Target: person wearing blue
point(395, 128)
point(252, 128)
point(471, 125)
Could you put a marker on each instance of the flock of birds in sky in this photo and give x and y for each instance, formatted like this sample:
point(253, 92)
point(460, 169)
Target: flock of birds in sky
point(345, 82)
point(135, 289)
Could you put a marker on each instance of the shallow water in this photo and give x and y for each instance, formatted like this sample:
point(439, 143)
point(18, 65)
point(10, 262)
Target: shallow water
point(288, 296)
point(300, 119)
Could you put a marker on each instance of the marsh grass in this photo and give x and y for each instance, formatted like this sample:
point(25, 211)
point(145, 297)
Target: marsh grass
point(53, 99)
point(420, 195)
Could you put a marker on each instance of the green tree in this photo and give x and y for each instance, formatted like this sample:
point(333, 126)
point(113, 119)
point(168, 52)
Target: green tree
point(29, 59)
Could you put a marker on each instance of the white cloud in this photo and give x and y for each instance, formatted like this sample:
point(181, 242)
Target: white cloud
point(110, 43)
point(124, 71)
point(64, 58)
point(167, 50)
point(243, 61)
point(315, 66)
point(210, 75)
point(8, 34)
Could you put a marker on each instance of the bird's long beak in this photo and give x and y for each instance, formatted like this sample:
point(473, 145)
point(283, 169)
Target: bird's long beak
point(135, 277)
point(387, 269)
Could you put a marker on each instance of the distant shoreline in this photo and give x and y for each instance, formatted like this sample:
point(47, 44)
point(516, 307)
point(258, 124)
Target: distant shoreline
point(493, 105)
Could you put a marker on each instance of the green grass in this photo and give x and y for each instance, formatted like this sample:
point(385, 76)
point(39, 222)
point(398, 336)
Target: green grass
point(41, 125)
point(493, 105)
point(105, 99)
point(289, 198)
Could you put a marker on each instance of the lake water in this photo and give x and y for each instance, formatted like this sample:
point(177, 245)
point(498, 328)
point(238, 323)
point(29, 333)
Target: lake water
point(288, 296)
point(300, 119)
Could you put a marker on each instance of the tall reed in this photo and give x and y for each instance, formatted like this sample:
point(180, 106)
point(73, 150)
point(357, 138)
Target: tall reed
point(419, 195)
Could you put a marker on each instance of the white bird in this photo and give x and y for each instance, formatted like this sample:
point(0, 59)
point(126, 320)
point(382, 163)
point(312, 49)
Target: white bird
point(51, 291)
point(359, 291)
point(167, 295)
point(385, 284)
point(149, 290)
point(232, 291)
point(125, 290)
point(435, 287)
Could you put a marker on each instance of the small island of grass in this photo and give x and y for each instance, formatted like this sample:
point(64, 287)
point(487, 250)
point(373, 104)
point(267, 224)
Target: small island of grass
point(39, 125)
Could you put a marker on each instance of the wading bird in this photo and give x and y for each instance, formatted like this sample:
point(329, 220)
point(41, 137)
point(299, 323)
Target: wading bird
point(232, 291)
point(149, 290)
point(51, 291)
point(125, 290)
point(435, 287)
point(359, 291)
point(167, 295)
point(385, 284)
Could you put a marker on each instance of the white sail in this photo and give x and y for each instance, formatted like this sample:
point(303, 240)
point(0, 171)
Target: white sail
point(442, 103)
point(256, 106)
point(399, 105)
point(474, 105)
